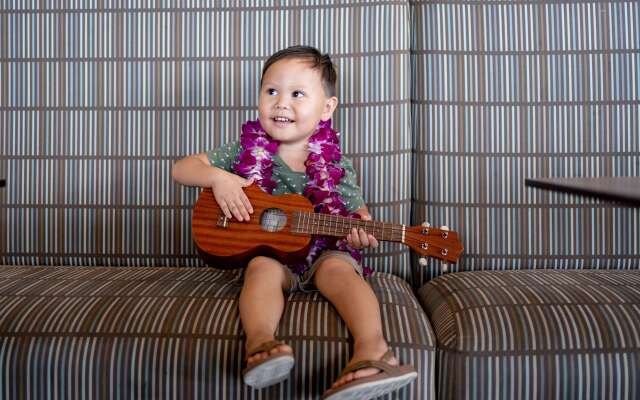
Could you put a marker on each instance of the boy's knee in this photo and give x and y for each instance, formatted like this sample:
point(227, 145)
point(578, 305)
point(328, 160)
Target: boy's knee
point(333, 269)
point(263, 268)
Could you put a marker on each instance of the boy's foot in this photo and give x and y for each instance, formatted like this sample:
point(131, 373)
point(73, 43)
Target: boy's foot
point(268, 364)
point(367, 379)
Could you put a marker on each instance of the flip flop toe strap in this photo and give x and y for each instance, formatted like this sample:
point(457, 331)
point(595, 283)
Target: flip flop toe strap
point(382, 365)
point(266, 346)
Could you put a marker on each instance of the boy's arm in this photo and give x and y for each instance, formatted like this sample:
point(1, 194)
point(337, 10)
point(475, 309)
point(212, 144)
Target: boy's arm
point(196, 170)
point(201, 169)
point(352, 193)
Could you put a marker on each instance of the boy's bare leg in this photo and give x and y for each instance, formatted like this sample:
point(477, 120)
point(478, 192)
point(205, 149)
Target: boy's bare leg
point(262, 303)
point(359, 308)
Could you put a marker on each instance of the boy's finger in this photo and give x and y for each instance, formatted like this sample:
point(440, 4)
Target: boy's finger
point(373, 241)
point(350, 241)
point(240, 207)
point(225, 209)
point(356, 237)
point(363, 238)
point(246, 202)
point(235, 210)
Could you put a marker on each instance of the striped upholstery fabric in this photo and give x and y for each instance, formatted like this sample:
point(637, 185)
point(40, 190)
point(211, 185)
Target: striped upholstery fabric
point(541, 334)
point(98, 99)
point(157, 333)
point(504, 91)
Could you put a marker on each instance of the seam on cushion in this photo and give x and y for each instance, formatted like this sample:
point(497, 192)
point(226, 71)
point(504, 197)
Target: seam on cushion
point(551, 352)
point(444, 303)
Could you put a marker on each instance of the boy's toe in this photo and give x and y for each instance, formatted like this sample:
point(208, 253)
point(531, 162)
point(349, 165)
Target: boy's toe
point(283, 348)
point(264, 354)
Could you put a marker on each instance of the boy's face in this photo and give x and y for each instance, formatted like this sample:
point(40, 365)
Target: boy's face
point(293, 101)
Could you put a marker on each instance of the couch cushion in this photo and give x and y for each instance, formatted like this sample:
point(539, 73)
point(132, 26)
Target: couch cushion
point(543, 334)
point(175, 332)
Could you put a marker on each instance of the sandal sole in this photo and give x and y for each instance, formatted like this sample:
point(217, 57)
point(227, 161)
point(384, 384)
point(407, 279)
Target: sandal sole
point(371, 389)
point(269, 372)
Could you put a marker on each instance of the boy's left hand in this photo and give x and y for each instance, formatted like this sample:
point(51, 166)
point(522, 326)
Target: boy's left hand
point(358, 238)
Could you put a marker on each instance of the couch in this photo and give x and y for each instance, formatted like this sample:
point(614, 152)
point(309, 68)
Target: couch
point(445, 108)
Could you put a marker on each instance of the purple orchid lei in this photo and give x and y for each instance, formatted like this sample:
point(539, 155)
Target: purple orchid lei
point(323, 177)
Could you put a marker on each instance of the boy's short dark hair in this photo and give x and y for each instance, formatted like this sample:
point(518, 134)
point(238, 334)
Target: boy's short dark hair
point(317, 60)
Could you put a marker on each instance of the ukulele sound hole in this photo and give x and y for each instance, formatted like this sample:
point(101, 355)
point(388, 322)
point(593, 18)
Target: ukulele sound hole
point(273, 220)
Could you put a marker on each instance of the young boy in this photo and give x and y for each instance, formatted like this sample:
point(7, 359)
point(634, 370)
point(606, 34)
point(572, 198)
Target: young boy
point(288, 150)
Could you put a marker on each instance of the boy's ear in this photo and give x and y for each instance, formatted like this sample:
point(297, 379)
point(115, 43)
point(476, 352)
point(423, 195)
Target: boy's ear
point(329, 106)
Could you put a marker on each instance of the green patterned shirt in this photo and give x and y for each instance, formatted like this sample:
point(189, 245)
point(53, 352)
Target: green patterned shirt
point(288, 181)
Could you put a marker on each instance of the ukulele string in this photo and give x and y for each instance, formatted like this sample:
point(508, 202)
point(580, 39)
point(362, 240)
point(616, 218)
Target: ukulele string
point(331, 222)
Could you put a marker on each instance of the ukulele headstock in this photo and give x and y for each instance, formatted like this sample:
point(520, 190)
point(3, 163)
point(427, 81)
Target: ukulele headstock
point(433, 242)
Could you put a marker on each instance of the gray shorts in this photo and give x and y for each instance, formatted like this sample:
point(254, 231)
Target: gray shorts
point(305, 283)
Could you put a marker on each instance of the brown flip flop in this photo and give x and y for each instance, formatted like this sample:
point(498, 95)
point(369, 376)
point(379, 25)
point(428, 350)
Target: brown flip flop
point(273, 369)
point(391, 377)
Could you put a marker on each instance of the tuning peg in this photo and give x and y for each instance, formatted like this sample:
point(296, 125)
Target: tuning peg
point(422, 261)
point(445, 265)
point(445, 228)
point(426, 224)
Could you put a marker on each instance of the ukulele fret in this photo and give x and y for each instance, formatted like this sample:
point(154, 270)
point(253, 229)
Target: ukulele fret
point(315, 226)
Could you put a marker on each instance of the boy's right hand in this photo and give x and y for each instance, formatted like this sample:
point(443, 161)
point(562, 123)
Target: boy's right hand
point(227, 190)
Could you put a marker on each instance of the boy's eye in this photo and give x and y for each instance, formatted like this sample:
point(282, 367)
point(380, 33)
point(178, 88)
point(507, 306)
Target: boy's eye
point(271, 92)
point(297, 93)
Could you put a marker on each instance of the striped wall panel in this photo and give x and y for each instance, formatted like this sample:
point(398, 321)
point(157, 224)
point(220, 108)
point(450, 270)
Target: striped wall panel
point(99, 98)
point(173, 333)
point(504, 91)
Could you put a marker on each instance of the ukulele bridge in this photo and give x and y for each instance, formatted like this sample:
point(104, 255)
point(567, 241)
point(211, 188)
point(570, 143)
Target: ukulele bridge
point(223, 221)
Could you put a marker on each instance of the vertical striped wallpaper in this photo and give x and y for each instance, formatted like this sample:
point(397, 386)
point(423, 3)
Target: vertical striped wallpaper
point(99, 98)
point(504, 91)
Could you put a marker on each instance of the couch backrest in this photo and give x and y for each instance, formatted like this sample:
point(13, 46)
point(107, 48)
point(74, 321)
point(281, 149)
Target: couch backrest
point(504, 91)
point(98, 102)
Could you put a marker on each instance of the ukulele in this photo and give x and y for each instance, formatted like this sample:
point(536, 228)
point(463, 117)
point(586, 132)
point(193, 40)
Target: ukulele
point(282, 226)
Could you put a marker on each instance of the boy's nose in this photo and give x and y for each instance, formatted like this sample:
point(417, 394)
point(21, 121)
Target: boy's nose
point(281, 103)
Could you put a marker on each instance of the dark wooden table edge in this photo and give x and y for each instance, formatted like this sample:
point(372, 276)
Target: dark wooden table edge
point(591, 193)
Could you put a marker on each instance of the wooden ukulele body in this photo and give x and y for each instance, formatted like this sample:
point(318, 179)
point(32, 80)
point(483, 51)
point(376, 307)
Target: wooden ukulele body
point(228, 243)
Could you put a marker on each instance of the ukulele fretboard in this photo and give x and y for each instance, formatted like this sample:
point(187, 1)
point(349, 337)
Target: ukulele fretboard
point(335, 225)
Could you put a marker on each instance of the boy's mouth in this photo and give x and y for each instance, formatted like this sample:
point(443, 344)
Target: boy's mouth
point(282, 121)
